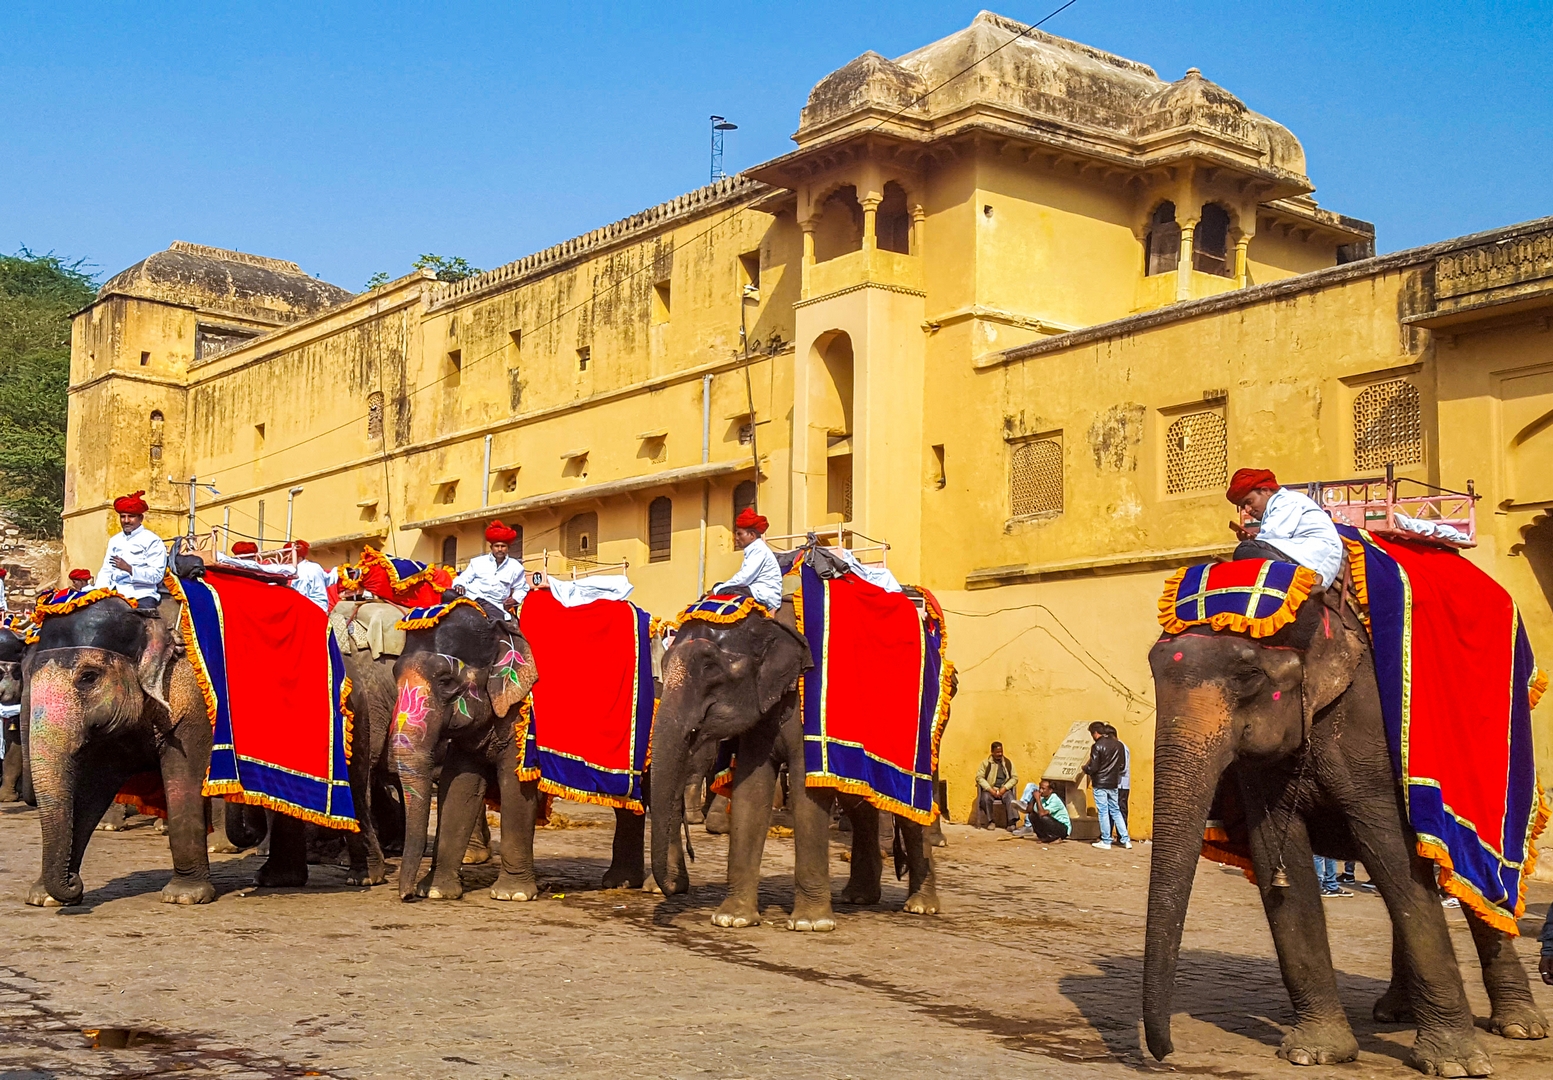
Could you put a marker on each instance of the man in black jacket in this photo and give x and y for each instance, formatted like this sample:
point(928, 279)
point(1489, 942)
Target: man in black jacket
point(1107, 760)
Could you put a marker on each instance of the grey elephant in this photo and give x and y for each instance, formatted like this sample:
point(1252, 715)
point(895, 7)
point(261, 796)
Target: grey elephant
point(737, 681)
point(108, 694)
point(12, 651)
point(1290, 727)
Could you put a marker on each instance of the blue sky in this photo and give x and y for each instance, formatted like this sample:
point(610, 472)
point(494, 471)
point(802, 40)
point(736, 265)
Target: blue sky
point(353, 137)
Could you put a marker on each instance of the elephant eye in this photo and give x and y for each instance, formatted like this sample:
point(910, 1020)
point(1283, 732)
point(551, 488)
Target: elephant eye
point(87, 678)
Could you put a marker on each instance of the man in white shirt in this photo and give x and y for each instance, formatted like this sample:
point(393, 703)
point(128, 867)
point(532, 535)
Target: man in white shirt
point(1286, 525)
point(307, 577)
point(759, 573)
point(496, 581)
point(3, 607)
point(136, 558)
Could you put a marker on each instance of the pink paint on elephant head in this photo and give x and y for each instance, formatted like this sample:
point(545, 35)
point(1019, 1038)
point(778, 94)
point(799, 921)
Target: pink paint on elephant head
point(410, 714)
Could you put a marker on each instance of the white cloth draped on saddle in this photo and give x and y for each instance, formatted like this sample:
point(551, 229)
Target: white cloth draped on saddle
point(588, 589)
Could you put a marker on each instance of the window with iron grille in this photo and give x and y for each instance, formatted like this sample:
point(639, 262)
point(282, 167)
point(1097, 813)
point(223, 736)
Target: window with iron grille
point(375, 415)
point(1196, 453)
point(580, 536)
point(743, 496)
point(1035, 477)
point(1388, 425)
point(660, 529)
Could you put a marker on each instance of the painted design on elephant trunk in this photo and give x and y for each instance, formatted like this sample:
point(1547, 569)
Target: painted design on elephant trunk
point(410, 724)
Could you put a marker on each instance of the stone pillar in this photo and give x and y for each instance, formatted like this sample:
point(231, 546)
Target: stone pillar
point(870, 205)
point(807, 225)
point(918, 217)
point(1242, 242)
point(1184, 266)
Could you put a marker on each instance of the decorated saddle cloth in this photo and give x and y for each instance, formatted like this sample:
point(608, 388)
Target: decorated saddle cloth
point(590, 714)
point(404, 582)
point(876, 701)
point(425, 618)
point(721, 609)
point(1258, 597)
point(1457, 685)
point(276, 689)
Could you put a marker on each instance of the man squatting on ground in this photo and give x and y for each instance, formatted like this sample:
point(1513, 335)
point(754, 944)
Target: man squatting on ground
point(759, 574)
point(996, 783)
point(136, 557)
point(1107, 760)
point(496, 581)
point(1048, 817)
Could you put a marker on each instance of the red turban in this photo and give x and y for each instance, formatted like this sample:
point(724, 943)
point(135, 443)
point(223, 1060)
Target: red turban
point(130, 504)
point(80, 575)
point(748, 519)
point(498, 533)
point(301, 547)
point(3, 571)
point(1245, 481)
point(245, 547)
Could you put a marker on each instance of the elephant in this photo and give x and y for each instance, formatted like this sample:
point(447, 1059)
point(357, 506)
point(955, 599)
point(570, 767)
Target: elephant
point(738, 681)
point(460, 684)
point(1289, 727)
point(109, 693)
point(12, 651)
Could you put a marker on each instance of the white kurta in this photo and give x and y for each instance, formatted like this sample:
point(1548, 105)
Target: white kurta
point(147, 558)
point(307, 577)
point(874, 575)
point(1296, 526)
point(495, 583)
point(759, 573)
point(2, 596)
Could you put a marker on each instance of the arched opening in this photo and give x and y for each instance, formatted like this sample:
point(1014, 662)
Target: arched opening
point(1162, 245)
point(450, 551)
point(840, 225)
point(1538, 550)
point(1210, 241)
point(743, 497)
point(580, 536)
point(893, 220)
point(156, 436)
point(834, 414)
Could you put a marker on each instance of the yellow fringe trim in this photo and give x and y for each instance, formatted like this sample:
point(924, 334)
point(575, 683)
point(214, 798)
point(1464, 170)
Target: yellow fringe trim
point(745, 608)
point(232, 791)
point(1537, 687)
point(1299, 590)
point(550, 787)
point(1361, 583)
point(866, 791)
point(350, 717)
point(425, 623)
point(520, 728)
point(1213, 852)
point(1493, 914)
point(722, 783)
point(191, 644)
point(140, 806)
point(370, 556)
point(75, 603)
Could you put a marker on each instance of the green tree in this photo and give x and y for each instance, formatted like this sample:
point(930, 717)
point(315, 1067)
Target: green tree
point(38, 294)
point(447, 267)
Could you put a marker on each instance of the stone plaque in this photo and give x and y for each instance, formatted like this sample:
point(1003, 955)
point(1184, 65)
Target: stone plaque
point(1068, 762)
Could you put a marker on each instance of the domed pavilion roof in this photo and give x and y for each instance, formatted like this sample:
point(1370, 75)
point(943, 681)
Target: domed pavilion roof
point(232, 282)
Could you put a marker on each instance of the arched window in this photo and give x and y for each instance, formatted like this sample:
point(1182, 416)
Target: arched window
point(840, 225)
point(450, 551)
point(580, 536)
point(375, 415)
point(743, 496)
point(156, 436)
point(1162, 246)
point(660, 529)
point(892, 221)
point(1210, 241)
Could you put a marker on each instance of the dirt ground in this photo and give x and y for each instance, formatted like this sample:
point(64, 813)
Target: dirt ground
point(1032, 970)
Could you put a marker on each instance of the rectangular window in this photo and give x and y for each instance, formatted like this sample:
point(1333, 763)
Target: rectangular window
point(580, 536)
point(145, 358)
point(940, 476)
point(584, 354)
point(660, 302)
point(1388, 425)
point(660, 529)
point(749, 269)
point(258, 436)
point(455, 372)
point(1196, 452)
point(450, 551)
point(1035, 476)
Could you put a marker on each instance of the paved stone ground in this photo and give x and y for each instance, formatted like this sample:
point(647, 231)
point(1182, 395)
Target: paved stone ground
point(1032, 970)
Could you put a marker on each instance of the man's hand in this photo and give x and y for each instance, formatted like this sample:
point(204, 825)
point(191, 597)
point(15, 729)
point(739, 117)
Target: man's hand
point(122, 564)
point(459, 589)
point(1545, 968)
point(1244, 532)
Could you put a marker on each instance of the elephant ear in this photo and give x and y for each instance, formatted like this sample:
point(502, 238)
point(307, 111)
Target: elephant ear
point(785, 657)
point(162, 649)
point(510, 680)
point(1333, 653)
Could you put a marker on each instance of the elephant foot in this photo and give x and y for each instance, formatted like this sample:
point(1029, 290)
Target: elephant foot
point(922, 902)
point(476, 854)
point(1319, 1044)
point(8, 795)
point(188, 891)
point(38, 896)
point(224, 847)
point(1393, 1007)
point(862, 894)
point(272, 876)
point(512, 887)
point(651, 886)
point(442, 888)
point(366, 877)
point(1449, 1053)
point(1520, 1020)
point(736, 913)
point(628, 877)
point(812, 918)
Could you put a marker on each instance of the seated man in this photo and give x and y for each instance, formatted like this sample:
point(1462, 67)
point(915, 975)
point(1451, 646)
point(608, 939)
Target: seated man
point(136, 558)
point(759, 575)
point(1048, 817)
point(496, 581)
point(1287, 525)
point(996, 782)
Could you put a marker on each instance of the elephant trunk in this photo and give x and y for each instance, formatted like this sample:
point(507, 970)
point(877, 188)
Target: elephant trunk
point(671, 746)
point(49, 747)
point(1191, 751)
point(414, 742)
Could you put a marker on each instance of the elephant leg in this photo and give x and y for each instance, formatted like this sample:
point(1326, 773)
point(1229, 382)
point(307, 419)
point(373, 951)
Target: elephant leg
point(460, 802)
point(286, 868)
point(217, 842)
point(388, 814)
point(1515, 1014)
point(478, 851)
point(812, 909)
point(519, 810)
point(113, 818)
point(922, 897)
point(1321, 1035)
point(185, 759)
point(749, 819)
point(11, 767)
point(1395, 1006)
point(366, 854)
point(1424, 961)
point(867, 860)
point(627, 868)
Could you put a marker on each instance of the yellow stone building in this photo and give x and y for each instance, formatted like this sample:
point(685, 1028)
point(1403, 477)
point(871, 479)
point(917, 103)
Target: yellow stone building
point(1019, 324)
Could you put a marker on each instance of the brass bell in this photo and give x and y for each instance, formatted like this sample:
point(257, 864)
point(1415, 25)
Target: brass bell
point(1280, 878)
